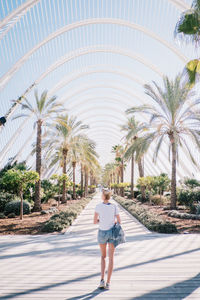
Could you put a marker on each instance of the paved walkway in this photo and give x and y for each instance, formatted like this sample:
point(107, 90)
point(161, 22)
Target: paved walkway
point(67, 266)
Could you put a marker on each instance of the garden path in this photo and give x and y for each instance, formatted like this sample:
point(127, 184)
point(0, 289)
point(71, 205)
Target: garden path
point(67, 266)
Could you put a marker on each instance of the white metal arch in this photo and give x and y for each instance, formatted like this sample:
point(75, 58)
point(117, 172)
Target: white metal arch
point(16, 14)
point(113, 69)
point(67, 28)
point(95, 49)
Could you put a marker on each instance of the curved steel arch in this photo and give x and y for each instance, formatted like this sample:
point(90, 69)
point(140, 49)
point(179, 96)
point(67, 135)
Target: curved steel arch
point(88, 87)
point(96, 49)
point(103, 69)
point(9, 74)
point(93, 99)
point(109, 86)
point(18, 12)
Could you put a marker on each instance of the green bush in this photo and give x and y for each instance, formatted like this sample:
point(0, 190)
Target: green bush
point(2, 216)
point(11, 215)
point(139, 198)
point(148, 219)
point(189, 197)
point(61, 220)
point(14, 207)
point(4, 199)
point(53, 225)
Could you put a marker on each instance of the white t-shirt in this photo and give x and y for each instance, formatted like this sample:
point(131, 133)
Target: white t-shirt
point(107, 213)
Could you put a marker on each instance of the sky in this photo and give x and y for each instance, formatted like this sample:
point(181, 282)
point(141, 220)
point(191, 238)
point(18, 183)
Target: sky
point(95, 56)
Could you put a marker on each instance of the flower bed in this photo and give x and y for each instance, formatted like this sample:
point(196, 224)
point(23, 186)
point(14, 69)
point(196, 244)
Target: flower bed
point(64, 219)
point(147, 218)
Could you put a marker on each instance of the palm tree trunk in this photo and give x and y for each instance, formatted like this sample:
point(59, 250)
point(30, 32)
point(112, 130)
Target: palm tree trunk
point(132, 175)
point(74, 180)
point(21, 204)
point(122, 178)
point(114, 182)
point(86, 182)
point(81, 180)
point(173, 176)
point(64, 173)
point(37, 204)
point(117, 183)
point(141, 173)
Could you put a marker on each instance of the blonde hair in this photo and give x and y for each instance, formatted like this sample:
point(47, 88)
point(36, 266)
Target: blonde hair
point(106, 194)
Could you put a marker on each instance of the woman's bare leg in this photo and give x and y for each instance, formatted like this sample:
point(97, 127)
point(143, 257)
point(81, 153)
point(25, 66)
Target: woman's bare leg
point(103, 259)
point(111, 250)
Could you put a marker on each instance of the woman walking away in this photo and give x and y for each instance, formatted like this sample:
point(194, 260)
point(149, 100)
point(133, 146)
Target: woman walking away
point(106, 214)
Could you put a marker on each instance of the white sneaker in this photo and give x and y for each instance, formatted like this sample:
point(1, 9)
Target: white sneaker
point(107, 287)
point(102, 284)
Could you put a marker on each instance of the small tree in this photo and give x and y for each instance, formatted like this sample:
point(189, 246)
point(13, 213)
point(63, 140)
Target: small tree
point(59, 179)
point(20, 179)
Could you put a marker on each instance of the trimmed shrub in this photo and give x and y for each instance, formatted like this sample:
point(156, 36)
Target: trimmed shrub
point(147, 218)
point(60, 221)
point(11, 215)
point(2, 216)
point(180, 215)
point(4, 199)
point(157, 200)
point(14, 207)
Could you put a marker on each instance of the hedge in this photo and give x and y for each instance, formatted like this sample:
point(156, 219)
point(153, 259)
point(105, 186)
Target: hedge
point(62, 220)
point(147, 218)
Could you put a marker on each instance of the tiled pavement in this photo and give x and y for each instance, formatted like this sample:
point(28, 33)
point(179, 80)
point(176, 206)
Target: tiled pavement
point(67, 266)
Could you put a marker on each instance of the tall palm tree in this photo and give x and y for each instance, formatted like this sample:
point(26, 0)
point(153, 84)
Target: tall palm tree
point(175, 116)
point(62, 137)
point(88, 162)
point(44, 110)
point(188, 29)
point(133, 130)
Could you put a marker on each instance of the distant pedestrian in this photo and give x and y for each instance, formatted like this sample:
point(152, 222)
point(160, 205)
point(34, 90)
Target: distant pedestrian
point(106, 214)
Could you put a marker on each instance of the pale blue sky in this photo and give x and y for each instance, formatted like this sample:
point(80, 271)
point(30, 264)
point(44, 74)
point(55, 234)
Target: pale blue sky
point(99, 96)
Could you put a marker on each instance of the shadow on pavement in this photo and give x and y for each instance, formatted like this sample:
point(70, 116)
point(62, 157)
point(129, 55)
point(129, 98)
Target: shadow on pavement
point(177, 291)
point(176, 286)
point(88, 296)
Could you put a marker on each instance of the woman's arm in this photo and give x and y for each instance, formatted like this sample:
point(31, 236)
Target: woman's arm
point(96, 218)
point(118, 219)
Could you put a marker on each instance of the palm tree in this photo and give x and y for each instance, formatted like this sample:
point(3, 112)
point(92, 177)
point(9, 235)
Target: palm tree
point(45, 109)
point(133, 129)
point(63, 137)
point(79, 146)
point(119, 158)
point(188, 29)
point(88, 162)
point(174, 114)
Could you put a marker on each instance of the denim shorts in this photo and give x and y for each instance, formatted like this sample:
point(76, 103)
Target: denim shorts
point(105, 236)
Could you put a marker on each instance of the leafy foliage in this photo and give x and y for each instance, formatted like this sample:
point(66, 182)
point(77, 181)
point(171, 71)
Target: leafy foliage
point(150, 220)
point(4, 199)
point(65, 218)
point(14, 207)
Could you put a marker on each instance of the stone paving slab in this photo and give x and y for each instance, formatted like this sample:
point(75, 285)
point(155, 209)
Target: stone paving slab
point(67, 266)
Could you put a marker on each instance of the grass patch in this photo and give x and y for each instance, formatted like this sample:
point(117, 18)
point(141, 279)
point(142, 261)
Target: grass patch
point(147, 218)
